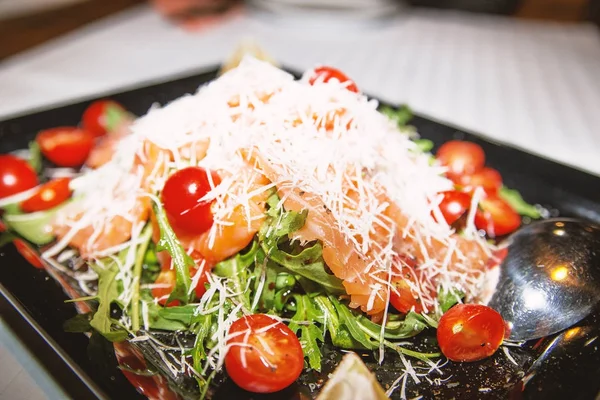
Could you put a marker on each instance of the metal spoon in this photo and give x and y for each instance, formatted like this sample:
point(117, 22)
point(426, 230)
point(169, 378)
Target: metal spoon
point(550, 278)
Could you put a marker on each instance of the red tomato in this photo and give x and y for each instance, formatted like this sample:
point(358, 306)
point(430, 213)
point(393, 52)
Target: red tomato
point(181, 198)
point(324, 74)
point(49, 195)
point(16, 175)
point(103, 116)
point(461, 157)
point(496, 216)
point(402, 296)
point(454, 205)
point(203, 280)
point(470, 332)
point(165, 283)
point(487, 178)
point(65, 146)
point(28, 253)
point(263, 361)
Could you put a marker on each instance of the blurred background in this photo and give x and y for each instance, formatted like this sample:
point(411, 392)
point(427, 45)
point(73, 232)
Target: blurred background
point(523, 72)
point(28, 23)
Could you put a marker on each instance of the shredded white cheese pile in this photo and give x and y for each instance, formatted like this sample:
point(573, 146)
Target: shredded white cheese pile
point(318, 139)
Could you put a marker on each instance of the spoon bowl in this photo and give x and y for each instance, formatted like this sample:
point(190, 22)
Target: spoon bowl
point(550, 277)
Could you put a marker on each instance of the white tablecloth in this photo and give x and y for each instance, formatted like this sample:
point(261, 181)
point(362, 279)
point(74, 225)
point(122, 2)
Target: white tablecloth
point(535, 85)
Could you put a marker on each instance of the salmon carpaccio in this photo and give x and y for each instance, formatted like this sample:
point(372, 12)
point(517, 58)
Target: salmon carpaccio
point(364, 255)
point(364, 283)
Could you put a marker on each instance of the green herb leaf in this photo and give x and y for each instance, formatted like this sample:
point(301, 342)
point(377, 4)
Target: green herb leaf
point(308, 264)
point(181, 260)
point(340, 336)
point(7, 237)
point(424, 145)
point(35, 156)
point(269, 271)
point(304, 323)
point(401, 116)
point(108, 292)
point(447, 298)
point(145, 238)
point(349, 319)
point(114, 116)
point(170, 318)
point(78, 324)
point(236, 269)
point(514, 199)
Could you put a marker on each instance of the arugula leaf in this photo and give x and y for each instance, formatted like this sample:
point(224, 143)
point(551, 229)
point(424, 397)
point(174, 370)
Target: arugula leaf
point(145, 238)
point(303, 321)
point(35, 156)
point(7, 237)
point(181, 260)
point(270, 271)
point(170, 318)
point(349, 319)
point(401, 116)
point(514, 199)
point(114, 116)
point(108, 292)
point(340, 335)
point(308, 264)
point(236, 270)
point(447, 298)
point(78, 324)
point(412, 325)
point(424, 145)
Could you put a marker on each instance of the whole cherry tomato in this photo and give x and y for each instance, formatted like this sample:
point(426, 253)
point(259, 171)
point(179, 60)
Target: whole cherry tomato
point(16, 175)
point(461, 158)
point(103, 116)
point(487, 178)
point(182, 196)
point(65, 146)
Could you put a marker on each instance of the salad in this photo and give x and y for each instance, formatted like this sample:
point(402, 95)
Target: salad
point(257, 220)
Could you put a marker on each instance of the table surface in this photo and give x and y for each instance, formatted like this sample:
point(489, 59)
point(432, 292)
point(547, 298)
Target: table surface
point(531, 84)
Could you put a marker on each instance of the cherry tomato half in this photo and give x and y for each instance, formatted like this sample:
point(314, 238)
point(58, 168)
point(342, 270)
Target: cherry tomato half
point(265, 356)
point(103, 116)
point(181, 198)
point(402, 296)
point(470, 332)
point(487, 178)
point(65, 146)
point(200, 288)
point(496, 216)
point(324, 74)
point(454, 205)
point(49, 195)
point(16, 175)
point(165, 283)
point(168, 279)
point(461, 157)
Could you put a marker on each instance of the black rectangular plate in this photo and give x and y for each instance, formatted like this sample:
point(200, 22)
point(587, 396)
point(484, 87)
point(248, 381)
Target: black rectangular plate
point(33, 304)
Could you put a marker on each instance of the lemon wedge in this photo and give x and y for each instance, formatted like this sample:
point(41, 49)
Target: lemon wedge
point(352, 380)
